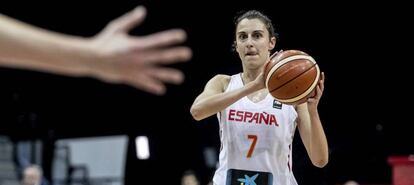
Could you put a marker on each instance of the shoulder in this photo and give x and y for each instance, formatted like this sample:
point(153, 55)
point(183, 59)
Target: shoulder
point(222, 78)
point(219, 82)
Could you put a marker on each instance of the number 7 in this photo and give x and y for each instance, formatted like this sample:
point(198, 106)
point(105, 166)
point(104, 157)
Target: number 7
point(254, 138)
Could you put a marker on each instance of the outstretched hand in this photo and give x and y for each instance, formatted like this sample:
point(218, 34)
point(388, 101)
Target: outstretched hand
point(138, 60)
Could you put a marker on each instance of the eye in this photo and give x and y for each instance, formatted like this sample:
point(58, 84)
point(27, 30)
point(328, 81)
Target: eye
point(242, 36)
point(257, 35)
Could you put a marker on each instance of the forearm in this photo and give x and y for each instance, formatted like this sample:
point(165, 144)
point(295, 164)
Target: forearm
point(209, 106)
point(312, 134)
point(25, 46)
point(318, 142)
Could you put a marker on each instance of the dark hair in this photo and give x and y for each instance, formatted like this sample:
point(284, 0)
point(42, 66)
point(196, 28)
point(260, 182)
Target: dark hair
point(255, 14)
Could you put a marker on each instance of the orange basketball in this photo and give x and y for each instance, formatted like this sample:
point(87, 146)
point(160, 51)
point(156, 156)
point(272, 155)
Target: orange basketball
point(291, 76)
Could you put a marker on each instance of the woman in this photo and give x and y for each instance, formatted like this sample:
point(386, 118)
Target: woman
point(256, 131)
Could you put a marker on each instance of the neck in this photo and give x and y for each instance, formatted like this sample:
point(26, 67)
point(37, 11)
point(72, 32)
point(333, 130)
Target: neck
point(249, 76)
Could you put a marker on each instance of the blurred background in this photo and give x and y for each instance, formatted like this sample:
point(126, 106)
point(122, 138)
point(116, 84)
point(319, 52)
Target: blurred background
point(83, 131)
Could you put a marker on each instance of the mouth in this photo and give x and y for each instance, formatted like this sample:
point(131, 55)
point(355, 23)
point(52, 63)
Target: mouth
point(250, 54)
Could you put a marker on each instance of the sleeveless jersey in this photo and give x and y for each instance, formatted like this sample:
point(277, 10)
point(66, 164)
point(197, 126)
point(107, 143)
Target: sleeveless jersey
point(255, 138)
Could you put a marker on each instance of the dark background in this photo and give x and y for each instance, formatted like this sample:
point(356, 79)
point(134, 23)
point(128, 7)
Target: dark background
point(364, 50)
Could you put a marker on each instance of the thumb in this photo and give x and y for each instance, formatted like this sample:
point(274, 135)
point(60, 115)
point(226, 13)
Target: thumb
point(131, 19)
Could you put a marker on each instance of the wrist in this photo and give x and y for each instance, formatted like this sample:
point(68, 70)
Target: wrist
point(88, 58)
point(75, 56)
point(312, 111)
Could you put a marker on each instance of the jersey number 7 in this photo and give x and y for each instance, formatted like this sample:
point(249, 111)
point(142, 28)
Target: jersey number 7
point(254, 140)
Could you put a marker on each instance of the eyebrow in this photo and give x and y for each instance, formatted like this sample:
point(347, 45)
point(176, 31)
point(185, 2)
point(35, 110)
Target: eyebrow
point(261, 31)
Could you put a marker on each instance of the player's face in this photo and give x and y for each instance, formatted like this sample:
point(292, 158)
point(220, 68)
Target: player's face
point(253, 43)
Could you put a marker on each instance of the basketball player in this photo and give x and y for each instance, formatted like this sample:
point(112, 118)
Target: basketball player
point(256, 131)
point(112, 55)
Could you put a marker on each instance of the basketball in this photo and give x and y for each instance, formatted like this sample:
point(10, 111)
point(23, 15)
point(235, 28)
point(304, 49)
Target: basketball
point(291, 76)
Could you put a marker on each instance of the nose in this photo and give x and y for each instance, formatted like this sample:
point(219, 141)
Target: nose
point(249, 42)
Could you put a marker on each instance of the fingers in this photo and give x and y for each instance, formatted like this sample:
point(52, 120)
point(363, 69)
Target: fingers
point(322, 82)
point(317, 95)
point(153, 79)
point(265, 65)
point(278, 52)
point(165, 56)
point(318, 90)
point(161, 39)
point(129, 20)
point(312, 100)
point(322, 76)
point(146, 83)
point(273, 55)
point(167, 75)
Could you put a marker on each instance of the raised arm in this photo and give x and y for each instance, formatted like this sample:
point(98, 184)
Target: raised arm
point(112, 55)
